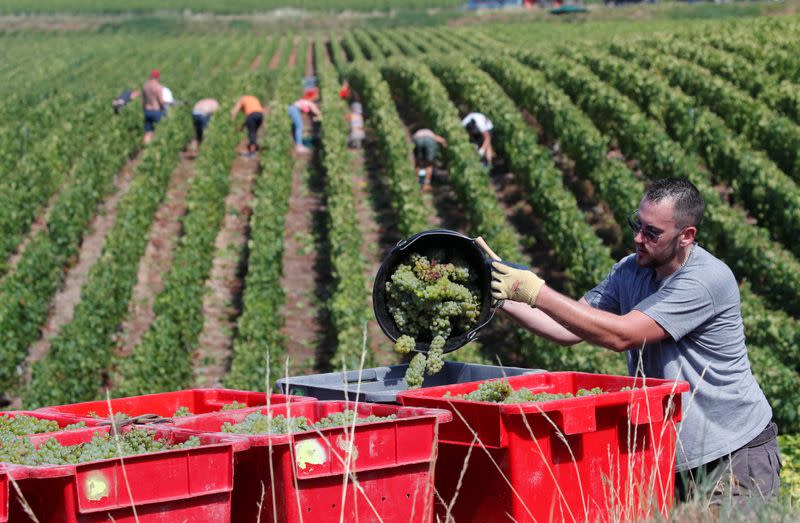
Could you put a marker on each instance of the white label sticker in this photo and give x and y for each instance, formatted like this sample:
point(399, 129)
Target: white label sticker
point(96, 487)
point(309, 452)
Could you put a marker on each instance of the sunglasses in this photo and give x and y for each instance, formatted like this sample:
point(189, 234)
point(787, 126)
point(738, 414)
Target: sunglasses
point(650, 234)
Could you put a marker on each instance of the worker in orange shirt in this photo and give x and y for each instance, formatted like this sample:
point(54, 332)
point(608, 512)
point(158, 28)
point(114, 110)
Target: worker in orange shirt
point(253, 118)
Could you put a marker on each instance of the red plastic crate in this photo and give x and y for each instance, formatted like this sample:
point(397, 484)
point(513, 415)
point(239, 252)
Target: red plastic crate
point(392, 461)
point(198, 401)
point(607, 457)
point(3, 494)
point(190, 485)
point(62, 422)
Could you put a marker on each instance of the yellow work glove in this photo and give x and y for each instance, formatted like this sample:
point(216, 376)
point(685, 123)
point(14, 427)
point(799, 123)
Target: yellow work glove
point(515, 283)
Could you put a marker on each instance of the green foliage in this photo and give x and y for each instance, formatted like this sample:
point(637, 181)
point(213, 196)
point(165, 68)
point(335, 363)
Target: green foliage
point(575, 132)
point(259, 344)
point(775, 134)
point(25, 293)
point(790, 457)
point(348, 304)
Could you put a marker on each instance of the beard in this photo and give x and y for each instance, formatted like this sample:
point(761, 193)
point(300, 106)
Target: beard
point(648, 260)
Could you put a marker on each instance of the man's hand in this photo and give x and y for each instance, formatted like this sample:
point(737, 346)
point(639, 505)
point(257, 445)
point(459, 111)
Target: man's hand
point(510, 283)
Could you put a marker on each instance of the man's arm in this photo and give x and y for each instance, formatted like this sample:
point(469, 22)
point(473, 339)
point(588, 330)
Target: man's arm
point(539, 323)
point(236, 108)
point(440, 139)
point(487, 141)
point(160, 95)
point(612, 331)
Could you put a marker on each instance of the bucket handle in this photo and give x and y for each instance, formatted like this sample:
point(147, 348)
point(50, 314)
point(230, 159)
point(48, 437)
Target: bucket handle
point(480, 242)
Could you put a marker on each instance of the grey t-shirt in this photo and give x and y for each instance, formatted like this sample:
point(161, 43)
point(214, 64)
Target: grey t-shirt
point(698, 305)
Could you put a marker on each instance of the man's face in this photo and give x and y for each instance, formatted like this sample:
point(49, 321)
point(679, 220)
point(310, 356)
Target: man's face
point(656, 219)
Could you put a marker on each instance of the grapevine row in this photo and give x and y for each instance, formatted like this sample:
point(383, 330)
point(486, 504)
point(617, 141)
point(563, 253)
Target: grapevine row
point(777, 135)
point(577, 248)
point(742, 245)
point(768, 193)
point(258, 341)
point(26, 292)
point(781, 96)
point(415, 83)
point(348, 302)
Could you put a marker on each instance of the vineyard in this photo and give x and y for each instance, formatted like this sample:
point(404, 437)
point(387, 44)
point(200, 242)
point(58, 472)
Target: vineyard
point(139, 269)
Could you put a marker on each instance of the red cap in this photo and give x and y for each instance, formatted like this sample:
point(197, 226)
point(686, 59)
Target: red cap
point(155, 74)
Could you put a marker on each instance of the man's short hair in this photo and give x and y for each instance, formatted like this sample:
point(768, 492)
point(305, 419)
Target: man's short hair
point(688, 201)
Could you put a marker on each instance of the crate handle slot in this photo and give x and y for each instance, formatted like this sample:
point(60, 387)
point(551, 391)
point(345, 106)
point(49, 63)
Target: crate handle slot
point(646, 410)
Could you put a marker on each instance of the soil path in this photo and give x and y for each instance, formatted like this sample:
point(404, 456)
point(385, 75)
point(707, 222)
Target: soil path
point(222, 302)
point(309, 71)
point(292, 61)
point(256, 63)
point(302, 258)
point(275, 61)
point(62, 307)
point(157, 259)
point(376, 242)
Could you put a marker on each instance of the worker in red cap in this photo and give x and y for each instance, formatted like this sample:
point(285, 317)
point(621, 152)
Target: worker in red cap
point(152, 103)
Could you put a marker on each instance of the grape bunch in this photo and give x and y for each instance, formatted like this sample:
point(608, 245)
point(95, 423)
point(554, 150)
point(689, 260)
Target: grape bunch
point(21, 424)
point(499, 391)
point(404, 344)
point(436, 355)
point(429, 300)
point(234, 405)
point(346, 417)
point(257, 423)
point(415, 374)
point(182, 411)
point(118, 416)
point(20, 450)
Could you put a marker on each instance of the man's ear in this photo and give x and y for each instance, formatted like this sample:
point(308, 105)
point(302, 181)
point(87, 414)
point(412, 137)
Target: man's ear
point(689, 235)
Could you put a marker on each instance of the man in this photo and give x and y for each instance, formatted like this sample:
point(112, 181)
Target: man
point(253, 118)
point(426, 145)
point(124, 99)
point(355, 120)
point(152, 104)
point(480, 128)
point(673, 308)
point(201, 115)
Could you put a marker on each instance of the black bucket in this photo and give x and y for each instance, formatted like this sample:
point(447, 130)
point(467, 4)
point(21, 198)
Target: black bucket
point(423, 242)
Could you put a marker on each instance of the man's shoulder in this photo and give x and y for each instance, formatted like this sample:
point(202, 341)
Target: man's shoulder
point(628, 264)
point(706, 266)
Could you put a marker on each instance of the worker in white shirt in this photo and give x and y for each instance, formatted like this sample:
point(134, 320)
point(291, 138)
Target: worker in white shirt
point(480, 128)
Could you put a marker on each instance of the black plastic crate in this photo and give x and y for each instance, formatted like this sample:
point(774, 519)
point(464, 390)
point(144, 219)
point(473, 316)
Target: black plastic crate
point(381, 384)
